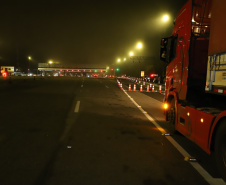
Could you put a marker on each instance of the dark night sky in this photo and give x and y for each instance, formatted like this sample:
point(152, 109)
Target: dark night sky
point(84, 31)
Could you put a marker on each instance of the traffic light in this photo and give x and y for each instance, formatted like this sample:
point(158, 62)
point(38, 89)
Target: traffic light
point(117, 69)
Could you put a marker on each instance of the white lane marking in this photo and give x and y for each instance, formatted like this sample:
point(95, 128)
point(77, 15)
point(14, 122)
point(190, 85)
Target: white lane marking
point(77, 106)
point(197, 166)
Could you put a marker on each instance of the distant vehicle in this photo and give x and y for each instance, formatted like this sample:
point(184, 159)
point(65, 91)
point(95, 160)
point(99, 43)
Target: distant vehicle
point(111, 76)
point(153, 78)
point(8, 70)
point(195, 95)
point(95, 75)
point(4, 74)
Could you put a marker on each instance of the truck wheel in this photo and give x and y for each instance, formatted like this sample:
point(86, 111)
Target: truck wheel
point(220, 149)
point(171, 112)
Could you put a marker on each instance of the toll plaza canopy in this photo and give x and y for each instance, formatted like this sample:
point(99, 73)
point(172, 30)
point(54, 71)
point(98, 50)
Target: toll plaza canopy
point(79, 70)
point(94, 68)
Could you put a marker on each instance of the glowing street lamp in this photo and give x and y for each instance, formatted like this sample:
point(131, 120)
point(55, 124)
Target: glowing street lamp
point(50, 62)
point(119, 60)
point(29, 60)
point(139, 45)
point(131, 53)
point(165, 18)
point(124, 59)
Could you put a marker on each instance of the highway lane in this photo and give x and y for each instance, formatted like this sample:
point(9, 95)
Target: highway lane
point(111, 142)
point(84, 131)
point(33, 116)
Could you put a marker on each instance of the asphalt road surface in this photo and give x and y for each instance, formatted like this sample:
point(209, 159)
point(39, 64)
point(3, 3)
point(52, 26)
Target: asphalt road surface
point(81, 131)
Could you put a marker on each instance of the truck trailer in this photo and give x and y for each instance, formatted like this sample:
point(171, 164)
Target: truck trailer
point(195, 91)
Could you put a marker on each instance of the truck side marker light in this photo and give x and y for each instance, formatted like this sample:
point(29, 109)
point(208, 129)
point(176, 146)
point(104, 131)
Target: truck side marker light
point(190, 159)
point(202, 120)
point(165, 106)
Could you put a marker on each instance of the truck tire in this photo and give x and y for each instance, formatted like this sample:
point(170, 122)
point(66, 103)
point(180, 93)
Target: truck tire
point(220, 149)
point(171, 114)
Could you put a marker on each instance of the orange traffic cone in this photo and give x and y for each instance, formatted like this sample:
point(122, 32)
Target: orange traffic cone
point(147, 88)
point(134, 87)
point(160, 88)
point(141, 88)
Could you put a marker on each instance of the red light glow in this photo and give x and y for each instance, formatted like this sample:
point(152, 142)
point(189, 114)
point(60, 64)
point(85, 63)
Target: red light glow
point(4, 74)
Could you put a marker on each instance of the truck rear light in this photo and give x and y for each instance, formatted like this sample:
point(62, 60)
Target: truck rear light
point(219, 91)
point(202, 120)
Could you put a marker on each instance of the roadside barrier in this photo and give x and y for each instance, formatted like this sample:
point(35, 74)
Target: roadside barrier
point(160, 88)
point(141, 88)
point(121, 85)
point(134, 87)
point(147, 88)
point(153, 88)
point(118, 82)
point(129, 87)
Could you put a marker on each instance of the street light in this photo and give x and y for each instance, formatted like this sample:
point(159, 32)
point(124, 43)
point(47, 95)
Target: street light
point(139, 45)
point(131, 53)
point(119, 60)
point(124, 59)
point(29, 60)
point(165, 18)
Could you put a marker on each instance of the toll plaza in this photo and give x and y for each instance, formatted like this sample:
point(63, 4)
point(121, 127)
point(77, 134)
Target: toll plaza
point(84, 70)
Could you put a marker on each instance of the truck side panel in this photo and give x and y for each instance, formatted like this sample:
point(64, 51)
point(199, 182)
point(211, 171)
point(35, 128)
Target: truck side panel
point(218, 28)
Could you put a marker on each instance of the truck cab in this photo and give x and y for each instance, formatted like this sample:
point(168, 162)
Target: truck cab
point(195, 76)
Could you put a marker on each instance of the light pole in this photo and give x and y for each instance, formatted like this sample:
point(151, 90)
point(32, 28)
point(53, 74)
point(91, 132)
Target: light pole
point(29, 60)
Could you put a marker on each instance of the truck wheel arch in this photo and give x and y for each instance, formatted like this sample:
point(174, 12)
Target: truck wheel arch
point(172, 97)
point(221, 118)
point(219, 147)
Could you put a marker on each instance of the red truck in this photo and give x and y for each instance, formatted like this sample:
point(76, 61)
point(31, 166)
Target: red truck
point(195, 91)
